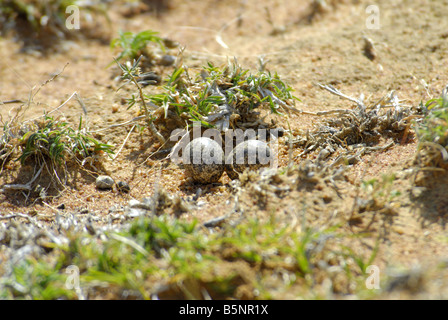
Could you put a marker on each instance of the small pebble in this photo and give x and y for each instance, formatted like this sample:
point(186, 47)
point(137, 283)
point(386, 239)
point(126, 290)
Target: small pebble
point(170, 43)
point(104, 182)
point(123, 187)
point(167, 60)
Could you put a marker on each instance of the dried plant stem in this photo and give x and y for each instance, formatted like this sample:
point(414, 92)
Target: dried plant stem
point(74, 94)
point(11, 101)
point(119, 124)
point(290, 148)
point(15, 215)
point(124, 142)
point(152, 127)
point(26, 186)
point(335, 91)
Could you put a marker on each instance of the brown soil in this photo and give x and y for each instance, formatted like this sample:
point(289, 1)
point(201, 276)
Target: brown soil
point(411, 59)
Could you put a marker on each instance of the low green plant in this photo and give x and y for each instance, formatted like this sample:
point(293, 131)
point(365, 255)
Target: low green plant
point(131, 74)
point(162, 251)
point(257, 242)
point(37, 280)
point(217, 97)
point(162, 233)
point(43, 22)
point(55, 140)
point(35, 12)
point(432, 133)
point(7, 145)
point(362, 262)
point(381, 189)
point(134, 45)
point(231, 87)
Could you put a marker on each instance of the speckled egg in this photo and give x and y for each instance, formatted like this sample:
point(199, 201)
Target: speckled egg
point(250, 154)
point(203, 160)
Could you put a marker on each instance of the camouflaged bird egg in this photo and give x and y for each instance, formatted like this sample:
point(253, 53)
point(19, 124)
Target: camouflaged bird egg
point(203, 160)
point(250, 154)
